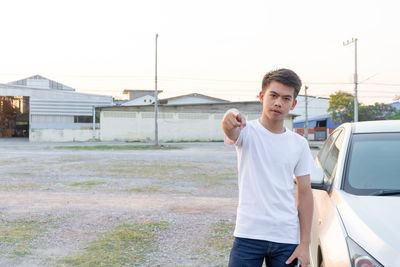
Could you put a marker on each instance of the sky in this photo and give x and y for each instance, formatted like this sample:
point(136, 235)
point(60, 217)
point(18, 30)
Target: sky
point(213, 47)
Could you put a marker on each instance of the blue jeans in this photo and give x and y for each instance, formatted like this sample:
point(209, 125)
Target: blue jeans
point(252, 252)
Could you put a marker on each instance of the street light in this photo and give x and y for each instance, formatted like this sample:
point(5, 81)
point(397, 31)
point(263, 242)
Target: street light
point(354, 40)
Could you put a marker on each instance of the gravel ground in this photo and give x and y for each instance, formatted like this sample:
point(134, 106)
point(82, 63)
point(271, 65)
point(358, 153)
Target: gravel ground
point(74, 194)
point(70, 196)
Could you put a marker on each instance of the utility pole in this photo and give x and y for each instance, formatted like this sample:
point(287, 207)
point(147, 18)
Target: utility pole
point(354, 40)
point(306, 124)
point(156, 102)
point(94, 122)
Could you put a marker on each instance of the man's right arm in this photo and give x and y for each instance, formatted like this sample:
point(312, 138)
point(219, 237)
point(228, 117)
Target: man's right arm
point(232, 123)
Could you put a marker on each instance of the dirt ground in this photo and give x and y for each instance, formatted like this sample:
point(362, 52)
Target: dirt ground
point(70, 196)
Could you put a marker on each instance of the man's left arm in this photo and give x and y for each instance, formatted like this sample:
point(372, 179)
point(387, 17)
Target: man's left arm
point(305, 209)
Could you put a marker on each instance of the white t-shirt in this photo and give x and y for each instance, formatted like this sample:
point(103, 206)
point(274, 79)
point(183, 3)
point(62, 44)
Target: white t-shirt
point(267, 161)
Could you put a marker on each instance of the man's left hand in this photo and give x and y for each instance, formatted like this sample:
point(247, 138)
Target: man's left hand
point(302, 253)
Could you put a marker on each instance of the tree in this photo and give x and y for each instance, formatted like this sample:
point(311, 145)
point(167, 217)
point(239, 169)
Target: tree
point(341, 107)
point(378, 111)
point(396, 116)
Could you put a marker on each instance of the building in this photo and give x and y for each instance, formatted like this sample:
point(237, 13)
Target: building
point(194, 98)
point(317, 106)
point(176, 122)
point(146, 97)
point(319, 127)
point(138, 97)
point(140, 101)
point(135, 94)
point(45, 110)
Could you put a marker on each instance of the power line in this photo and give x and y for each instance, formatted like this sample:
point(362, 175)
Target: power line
point(170, 79)
point(384, 84)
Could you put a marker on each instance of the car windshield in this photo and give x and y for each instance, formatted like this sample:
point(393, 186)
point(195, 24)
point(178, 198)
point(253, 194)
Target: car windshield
point(373, 164)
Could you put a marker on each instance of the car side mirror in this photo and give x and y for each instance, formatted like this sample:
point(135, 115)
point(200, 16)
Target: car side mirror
point(317, 178)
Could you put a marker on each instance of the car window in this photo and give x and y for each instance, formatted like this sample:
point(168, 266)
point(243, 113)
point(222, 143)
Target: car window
point(373, 164)
point(323, 153)
point(333, 154)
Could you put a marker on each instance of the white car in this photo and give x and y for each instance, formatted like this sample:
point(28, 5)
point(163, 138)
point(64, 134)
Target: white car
point(356, 190)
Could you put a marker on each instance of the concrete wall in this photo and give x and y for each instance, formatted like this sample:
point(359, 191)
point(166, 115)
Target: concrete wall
point(191, 123)
point(62, 135)
point(139, 126)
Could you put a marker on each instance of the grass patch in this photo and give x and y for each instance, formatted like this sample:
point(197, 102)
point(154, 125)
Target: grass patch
point(13, 161)
point(195, 141)
point(20, 173)
point(17, 236)
point(126, 245)
point(146, 169)
point(221, 238)
point(207, 179)
point(215, 252)
point(87, 183)
point(17, 186)
point(199, 174)
point(121, 147)
point(144, 189)
point(154, 189)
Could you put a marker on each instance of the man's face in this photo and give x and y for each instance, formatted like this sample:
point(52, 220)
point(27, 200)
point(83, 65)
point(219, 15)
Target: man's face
point(278, 100)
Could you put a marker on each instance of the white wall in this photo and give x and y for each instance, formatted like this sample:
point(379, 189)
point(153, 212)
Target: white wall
point(61, 135)
point(139, 126)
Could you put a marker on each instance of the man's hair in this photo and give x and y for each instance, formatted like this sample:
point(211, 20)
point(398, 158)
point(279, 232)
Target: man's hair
point(285, 76)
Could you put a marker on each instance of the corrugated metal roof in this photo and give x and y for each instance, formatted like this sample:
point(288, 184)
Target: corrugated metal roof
point(38, 81)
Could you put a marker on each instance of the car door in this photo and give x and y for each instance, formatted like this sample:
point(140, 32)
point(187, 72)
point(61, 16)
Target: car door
point(326, 229)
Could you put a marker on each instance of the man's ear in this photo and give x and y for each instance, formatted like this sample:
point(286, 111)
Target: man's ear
point(261, 96)
point(294, 104)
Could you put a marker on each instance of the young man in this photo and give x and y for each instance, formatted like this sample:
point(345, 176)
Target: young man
point(269, 225)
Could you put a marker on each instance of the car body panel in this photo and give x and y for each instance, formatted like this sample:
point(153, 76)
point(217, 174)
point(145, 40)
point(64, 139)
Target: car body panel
point(329, 236)
point(373, 222)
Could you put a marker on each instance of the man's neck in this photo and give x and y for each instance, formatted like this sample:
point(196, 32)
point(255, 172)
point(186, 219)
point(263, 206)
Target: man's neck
point(272, 126)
